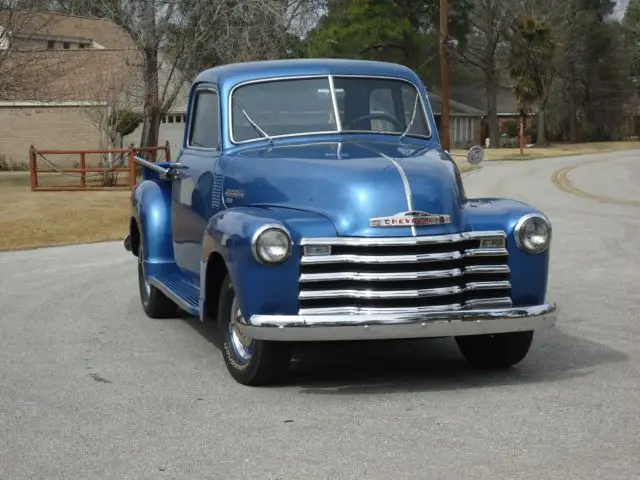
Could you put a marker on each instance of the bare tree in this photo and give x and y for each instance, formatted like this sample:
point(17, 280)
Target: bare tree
point(20, 22)
point(176, 38)
point(246, 30)
point(484, 52)
point(153, 68)
point(114, 116)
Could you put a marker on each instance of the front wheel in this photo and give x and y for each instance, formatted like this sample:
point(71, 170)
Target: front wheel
point(497, 351)
point(250, 362)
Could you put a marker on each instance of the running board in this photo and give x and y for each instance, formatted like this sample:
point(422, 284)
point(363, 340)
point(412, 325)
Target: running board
point(179, 290)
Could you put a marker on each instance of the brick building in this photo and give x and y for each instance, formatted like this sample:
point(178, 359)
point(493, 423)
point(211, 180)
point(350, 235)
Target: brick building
point(61, 77)
point(465, 121)
point(506, 104)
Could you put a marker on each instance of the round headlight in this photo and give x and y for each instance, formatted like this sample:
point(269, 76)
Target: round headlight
point(271, 244)
point(533, 233)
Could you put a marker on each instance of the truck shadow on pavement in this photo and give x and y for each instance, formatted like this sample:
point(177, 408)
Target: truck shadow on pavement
point(380, 367)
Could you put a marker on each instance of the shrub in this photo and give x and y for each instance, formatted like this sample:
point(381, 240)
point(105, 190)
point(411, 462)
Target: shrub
point(125, 121)
point(511, 128)
point(12, 165)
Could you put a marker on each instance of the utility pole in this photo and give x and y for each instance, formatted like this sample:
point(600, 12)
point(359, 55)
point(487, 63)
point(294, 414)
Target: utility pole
point(444, 75)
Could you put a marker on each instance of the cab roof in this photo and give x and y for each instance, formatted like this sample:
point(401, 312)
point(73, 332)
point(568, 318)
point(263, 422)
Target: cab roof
point(231, 74)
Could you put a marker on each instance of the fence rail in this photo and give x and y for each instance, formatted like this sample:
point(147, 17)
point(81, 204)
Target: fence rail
point(112, 165)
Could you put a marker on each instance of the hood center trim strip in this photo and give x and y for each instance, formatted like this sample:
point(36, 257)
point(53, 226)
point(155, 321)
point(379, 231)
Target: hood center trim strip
point(403, 176)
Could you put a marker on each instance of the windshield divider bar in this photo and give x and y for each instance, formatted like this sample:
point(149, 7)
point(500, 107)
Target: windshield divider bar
point(334, 101)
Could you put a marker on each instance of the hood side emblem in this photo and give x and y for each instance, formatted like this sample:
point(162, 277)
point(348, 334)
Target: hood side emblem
point(412, 218)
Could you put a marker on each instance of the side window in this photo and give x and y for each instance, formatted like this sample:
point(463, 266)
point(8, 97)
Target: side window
point(411, 102)
point(205, 121)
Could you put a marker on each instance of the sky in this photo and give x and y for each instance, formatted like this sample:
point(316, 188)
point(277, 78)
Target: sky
point(621, 6)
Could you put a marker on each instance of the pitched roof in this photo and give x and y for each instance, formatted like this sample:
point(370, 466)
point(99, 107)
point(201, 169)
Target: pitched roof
point(102, 31)
point(91, 74)
point(455, 108)
point(68, 75)
point(477, 98)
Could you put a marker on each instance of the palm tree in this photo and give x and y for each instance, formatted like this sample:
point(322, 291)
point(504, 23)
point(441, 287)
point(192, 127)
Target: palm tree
point(531, 65)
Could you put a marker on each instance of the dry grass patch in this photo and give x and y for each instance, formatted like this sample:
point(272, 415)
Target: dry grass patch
point(39, 219)
point(513, 154)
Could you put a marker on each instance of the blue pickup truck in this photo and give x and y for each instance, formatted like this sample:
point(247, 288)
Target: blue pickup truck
point(312, 201)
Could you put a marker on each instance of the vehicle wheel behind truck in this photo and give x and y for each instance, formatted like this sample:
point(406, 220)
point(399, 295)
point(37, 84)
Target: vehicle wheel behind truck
point(250, 362)
point(495, 351)
point(154, 302)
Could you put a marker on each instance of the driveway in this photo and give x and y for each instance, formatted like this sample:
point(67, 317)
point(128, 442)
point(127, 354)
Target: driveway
point(91, 388)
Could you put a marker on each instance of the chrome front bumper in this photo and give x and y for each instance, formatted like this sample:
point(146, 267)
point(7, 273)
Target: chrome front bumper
point(311, 328)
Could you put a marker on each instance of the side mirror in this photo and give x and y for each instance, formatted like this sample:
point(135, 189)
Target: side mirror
point(475, 155)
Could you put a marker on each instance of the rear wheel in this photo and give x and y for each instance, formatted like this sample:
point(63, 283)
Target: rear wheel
point(154, 302)
point(250, 362)
point(496, 351)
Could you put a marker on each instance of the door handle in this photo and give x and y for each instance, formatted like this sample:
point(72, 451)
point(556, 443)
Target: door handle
point(173, 169)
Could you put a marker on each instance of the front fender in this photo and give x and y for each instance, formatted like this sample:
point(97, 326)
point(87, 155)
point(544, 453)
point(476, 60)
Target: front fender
point(151, 209)
point(261, 289)
point(529, 272)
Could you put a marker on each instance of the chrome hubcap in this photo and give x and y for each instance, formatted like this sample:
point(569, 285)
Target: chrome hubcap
point(242, 345)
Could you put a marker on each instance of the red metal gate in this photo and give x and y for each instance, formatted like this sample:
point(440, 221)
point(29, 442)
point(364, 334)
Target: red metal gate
point(105, 175)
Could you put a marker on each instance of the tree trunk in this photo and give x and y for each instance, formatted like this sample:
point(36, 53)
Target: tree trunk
point(541, 137)
point(491, 89)
point(573, 114)
point(152, 107)
point(573, 120)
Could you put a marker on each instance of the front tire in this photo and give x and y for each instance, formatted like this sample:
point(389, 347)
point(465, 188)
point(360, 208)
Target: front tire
point(496, 351)
point(154, 303)
point(250, 362)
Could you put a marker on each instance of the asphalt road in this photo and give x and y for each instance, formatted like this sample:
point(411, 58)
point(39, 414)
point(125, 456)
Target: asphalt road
point(91, 388)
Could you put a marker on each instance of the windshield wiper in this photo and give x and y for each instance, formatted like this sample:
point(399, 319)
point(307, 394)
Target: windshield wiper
point(255, 126)
point(413, 117)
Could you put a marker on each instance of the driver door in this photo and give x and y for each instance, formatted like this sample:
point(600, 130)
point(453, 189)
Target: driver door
point(192, 189)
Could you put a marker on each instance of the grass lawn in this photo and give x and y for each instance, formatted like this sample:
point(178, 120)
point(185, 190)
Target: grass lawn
point(38, 219)
point(560, 150)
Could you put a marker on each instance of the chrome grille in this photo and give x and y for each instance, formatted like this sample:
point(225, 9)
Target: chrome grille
point(404, 274)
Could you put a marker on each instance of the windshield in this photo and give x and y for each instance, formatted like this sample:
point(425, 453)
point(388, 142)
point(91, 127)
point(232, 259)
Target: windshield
point(304, 106)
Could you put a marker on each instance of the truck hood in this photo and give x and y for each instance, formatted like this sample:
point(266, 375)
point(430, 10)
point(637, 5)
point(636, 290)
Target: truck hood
point(349, 183)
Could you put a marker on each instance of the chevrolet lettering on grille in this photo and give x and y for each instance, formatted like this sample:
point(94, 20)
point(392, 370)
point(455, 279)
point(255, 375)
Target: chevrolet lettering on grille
point(410, 219)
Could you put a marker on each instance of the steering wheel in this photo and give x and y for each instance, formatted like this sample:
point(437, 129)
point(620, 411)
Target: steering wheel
point(378, 115)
